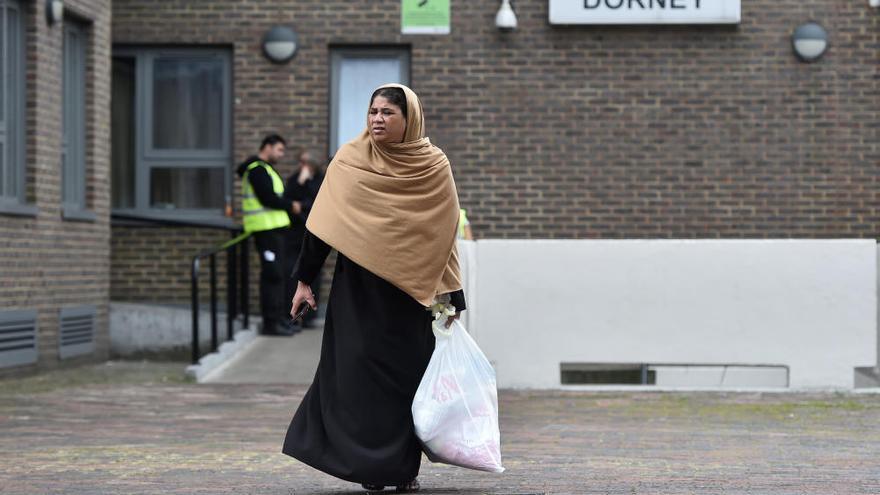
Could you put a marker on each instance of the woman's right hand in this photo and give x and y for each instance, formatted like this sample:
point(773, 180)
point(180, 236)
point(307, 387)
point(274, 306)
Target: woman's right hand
point(303, 295)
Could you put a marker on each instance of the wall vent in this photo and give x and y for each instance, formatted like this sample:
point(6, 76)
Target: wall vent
point(76, 331)
point(720, 375)
point(606, 374)
point(18, 338)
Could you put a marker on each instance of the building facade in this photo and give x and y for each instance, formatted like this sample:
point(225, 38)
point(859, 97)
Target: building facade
point(599, 131)
point(55, 183)
point(686, 131)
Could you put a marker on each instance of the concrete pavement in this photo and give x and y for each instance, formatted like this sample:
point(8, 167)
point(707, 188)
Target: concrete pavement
point(271, 359)
point(124, 428)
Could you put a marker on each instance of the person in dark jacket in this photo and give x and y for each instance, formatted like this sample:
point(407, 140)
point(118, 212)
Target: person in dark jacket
point(302, 186)
point(265, 211)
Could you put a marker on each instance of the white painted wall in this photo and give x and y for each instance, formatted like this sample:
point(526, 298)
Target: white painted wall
point(810, 305)
point(467, 259)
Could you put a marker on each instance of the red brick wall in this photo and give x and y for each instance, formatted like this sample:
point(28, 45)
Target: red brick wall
point(46, 262)
point(587, 132)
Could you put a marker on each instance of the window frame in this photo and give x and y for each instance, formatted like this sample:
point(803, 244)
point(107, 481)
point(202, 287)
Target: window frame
point(12, 122)
point(150, 151)
point(74, 89)
point(146, 157)
point(340, 52)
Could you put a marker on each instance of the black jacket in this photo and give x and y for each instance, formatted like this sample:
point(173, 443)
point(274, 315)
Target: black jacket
point(305, 193)
point(261, 182)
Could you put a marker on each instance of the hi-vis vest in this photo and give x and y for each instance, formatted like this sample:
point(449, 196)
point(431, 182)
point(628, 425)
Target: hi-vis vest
point(256, 217)
point(462, 222)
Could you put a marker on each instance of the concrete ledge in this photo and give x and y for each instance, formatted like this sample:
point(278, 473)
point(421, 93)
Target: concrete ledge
point(154, 328)
point(225, 352)
point(688, 390)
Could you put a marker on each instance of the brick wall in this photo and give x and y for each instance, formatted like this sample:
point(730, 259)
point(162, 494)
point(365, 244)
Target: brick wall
point(47, 263)
point(152, 265)
point(139, 254)
point(587, 132)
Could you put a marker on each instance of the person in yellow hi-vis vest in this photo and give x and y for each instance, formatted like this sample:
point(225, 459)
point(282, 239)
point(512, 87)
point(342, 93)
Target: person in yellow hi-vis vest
point(464, 226)
point(264, 214)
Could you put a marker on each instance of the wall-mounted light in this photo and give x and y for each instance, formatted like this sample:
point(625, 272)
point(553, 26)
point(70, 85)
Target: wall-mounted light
point(874, 3)
point(54, 11)
point(280, 44)
point(505, 19)
point(810, 41)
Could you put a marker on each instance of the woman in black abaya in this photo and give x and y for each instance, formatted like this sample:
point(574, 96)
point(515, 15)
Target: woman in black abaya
point(388, 205)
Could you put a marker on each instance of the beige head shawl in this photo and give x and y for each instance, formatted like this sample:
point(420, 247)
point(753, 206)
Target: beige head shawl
point(393, 209)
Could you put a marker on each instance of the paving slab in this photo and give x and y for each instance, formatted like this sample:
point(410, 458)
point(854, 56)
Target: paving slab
point(126, 428)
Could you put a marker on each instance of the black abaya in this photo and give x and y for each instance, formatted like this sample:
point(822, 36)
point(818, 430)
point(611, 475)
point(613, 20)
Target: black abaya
point(355, 421)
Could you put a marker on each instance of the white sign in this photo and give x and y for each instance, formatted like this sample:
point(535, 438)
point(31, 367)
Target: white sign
point(644, 11)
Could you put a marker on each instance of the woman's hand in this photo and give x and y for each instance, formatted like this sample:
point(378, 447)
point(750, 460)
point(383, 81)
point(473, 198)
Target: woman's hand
point(450, 319)
point(305, 173)
point(303, 295)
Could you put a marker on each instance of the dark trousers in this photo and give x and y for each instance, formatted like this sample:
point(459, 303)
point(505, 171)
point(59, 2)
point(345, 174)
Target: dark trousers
point(273, 254)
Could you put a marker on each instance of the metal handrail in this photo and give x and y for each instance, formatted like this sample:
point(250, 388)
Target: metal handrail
point(234, 306)
point(223, 223)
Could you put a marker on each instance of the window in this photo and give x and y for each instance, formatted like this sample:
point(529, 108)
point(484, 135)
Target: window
point(73, 147)
point(355, 73)
point(12, 96)
point(171, 119)
point(122, 125)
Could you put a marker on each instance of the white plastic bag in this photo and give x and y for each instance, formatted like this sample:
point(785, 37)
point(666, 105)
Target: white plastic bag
point(455, 409)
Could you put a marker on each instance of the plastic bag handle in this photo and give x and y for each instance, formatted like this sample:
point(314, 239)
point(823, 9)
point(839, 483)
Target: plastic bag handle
point(441, 330)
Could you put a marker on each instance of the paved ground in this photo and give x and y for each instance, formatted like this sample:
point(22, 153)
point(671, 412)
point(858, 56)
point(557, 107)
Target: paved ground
point(128, 427)
point(269, 359)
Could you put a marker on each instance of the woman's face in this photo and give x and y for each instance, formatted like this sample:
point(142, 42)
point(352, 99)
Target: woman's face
point(387, 123)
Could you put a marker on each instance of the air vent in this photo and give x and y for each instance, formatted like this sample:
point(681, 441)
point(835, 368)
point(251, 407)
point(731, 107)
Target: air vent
point(606, 374)
point(733, 375)
point(18, 338)
point(76, 331)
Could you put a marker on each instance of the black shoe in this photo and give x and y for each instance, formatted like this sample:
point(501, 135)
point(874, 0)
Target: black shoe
point(372, 488)
point(284, 330)
point(411, 487)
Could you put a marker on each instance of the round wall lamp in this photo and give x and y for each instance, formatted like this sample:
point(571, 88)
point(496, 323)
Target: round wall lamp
point(54, 11)
point(505, 19)
point(810, 41)
point(279, 44)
